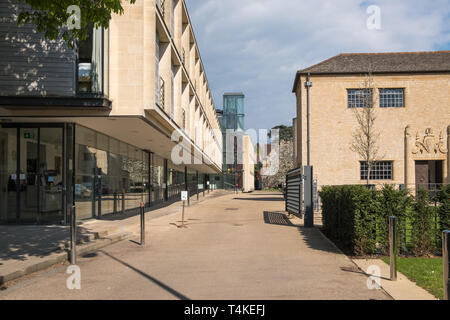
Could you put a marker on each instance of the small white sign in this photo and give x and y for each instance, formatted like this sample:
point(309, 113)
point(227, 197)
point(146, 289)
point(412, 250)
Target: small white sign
point(184, 195)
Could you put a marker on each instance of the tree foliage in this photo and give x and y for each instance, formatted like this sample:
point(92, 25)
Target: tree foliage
point(366, 137)
point(286, 133)
point(51, 17)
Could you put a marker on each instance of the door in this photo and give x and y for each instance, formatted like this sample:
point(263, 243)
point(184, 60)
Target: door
point(8, 175)
point(422, 174)
point(50, 175)
point(29, 175)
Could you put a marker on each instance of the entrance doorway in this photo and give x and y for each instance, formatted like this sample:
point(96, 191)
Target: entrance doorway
point(429, 174)
point(31, 174)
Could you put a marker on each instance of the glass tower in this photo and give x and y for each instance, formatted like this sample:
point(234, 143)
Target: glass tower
point(232, 118)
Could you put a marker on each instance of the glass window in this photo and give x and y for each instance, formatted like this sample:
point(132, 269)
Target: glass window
point(8, 174)
point(360, 98)
point(90, 62)
point(392, 98)
point(382, 170)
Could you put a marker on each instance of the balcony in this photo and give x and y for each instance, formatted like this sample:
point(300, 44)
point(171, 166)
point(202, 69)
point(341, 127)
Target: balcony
point(161, 93)
point(161, 4)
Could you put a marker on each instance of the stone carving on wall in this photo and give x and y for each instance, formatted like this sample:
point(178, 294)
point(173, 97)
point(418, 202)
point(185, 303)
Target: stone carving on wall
point(429, 144)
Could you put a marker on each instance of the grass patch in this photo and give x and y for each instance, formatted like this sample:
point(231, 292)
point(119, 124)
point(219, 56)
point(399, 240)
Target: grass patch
point(425, 272)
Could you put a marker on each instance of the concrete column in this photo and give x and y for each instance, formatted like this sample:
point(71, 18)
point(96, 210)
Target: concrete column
point(409, 164)
point(447, 164)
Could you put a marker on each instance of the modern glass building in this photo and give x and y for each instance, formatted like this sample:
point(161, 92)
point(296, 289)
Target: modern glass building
point(46, 168)
point(232, 118)
point(93, 127)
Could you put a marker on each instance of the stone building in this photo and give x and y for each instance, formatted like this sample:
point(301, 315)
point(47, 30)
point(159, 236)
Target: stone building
point(284, 158)
point(411, 97)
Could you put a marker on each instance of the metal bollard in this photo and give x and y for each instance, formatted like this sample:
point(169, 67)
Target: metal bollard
point(115, 204)
point(446, 258)
point(393, 247)
point(73, 236)
point(142, 224)
point(123, 202)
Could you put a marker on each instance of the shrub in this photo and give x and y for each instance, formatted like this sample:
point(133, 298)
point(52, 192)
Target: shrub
point(443, 198)
point(392, 202)
point(349, 217)
point(422, 224)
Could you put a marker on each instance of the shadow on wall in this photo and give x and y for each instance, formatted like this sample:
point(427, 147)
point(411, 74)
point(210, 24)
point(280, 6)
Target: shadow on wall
point(31, 65)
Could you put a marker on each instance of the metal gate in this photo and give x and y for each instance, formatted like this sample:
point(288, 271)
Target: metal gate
point(294, 192)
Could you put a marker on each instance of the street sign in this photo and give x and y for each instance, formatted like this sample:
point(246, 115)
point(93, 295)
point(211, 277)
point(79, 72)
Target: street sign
point(184, 196)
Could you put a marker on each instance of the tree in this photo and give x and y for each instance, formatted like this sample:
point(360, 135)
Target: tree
point(366, 136)
point(51, 17)
point(286, 133)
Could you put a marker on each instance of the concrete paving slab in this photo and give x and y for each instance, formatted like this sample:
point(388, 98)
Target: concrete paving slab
point(402, 289)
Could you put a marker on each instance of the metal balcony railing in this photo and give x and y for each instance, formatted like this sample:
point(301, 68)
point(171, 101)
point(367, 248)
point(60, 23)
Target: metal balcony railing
point(162, 93)
point(161, 5)
point(184, 56)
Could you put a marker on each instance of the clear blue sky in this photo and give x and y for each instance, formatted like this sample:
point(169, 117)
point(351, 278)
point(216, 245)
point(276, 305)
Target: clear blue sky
point(256, 46)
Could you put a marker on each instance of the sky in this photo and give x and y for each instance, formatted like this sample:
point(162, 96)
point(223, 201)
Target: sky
point(257, 46)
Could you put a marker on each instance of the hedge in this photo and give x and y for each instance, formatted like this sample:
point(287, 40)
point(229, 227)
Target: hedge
point(357, 219)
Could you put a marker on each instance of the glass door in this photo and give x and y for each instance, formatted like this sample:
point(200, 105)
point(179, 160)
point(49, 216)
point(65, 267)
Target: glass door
point(8, 175)
point(28, 176)
point(51, 175)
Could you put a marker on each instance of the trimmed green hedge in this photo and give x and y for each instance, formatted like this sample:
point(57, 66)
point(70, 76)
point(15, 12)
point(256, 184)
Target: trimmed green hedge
point(358, 219)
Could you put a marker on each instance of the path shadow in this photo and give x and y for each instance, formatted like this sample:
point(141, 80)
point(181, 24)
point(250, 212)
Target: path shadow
point(271, 199)
point(20, 242)
point(278, 219)
point(313, 238)
point(172, 291)
point(358, 271)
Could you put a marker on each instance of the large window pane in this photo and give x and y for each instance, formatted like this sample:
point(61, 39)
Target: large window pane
point(8, 174)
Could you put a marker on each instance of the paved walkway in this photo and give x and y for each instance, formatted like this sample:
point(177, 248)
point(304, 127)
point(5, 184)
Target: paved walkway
point(26, 249)
point(234, 247)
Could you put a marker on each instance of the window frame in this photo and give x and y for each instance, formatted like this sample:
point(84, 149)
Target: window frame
point(377, 173)
point(351, 105)
point(392, 106)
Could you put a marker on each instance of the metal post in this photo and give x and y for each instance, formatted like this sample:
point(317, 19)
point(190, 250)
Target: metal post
point(446, 258)
point(309, 201)
point(99, 203)
point(123, 202)
point(182, 215)
point(197, 185)
point(393, 247)
point(142, 224)
point(73, 236)
point(308, 85)
point(115, 203)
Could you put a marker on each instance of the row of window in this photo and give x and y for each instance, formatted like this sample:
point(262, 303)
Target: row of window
point(389, 98)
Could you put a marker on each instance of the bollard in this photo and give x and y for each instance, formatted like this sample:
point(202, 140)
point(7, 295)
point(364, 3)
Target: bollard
point(73, 236)
point(115, 204)
point(445, 258)
point(393, 247)
point(142, 224)
point(182, 216)
point(123, 202)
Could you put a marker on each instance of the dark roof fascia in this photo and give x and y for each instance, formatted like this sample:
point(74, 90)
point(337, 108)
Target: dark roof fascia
point(303, 73)
point(82, 102)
